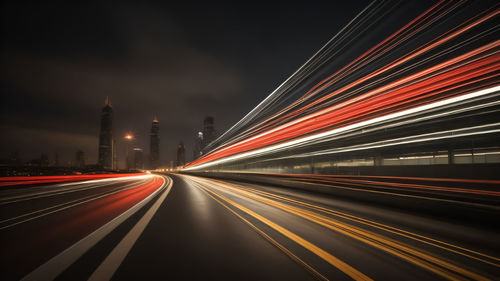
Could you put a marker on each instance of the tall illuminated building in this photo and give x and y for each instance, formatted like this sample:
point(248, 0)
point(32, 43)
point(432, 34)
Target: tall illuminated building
point(154, 152)
point(138, 164)
point(106, 136)
point(198, 145)
point(115, 158)
point(208, 131)
point(181, 154)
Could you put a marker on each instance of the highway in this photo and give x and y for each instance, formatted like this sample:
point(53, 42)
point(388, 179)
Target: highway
point(185, 227)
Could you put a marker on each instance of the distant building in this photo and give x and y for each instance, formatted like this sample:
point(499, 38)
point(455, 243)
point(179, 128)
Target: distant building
point(138, 159)
point(208, 131)
point(44, 160)
point(129, 158)
point(15, 159)
point(56, 160)
point(181, 154)
point(115, 159)
point(80, 159)
point(154, 152)
point(198, 145)
point(106, 137)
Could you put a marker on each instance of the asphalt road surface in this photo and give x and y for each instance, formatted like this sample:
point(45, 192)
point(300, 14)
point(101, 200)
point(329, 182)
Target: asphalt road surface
point(181, 227)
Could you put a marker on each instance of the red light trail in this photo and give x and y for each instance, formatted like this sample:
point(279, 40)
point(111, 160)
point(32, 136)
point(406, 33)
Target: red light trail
point(454, 63)
point(10, 181)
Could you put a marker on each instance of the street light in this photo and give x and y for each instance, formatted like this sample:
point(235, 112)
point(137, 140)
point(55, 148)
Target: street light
point(129, 137)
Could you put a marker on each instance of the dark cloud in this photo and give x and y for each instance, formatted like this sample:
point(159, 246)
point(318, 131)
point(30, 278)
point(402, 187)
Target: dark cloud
point(179, 61)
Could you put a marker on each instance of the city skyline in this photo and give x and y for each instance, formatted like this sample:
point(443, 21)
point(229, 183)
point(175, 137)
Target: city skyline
point(174, 62)
point(375, 157)
point(107, 150)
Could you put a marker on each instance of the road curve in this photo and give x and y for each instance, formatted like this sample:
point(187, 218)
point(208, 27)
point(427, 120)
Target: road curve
point(38, 223)
point(336, 238)
point(182, 227)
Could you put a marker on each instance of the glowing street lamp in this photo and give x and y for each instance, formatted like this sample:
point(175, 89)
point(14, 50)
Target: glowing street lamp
point(129, 139)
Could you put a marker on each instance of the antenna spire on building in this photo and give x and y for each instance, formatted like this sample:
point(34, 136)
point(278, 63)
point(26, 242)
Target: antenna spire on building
point(107, 101)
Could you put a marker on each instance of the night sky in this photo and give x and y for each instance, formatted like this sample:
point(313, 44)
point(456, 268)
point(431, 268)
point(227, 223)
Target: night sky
point(180, 61)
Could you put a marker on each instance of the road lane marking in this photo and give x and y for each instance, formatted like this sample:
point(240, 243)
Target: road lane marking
point(361, 176)
point(66, 206)
point(401, 232)
point(109, 266)
point(399, 249)
point(53, 192)
point(404, 186)
point(56, 265)
point(469, 204)
point(70, 189)
point(337, 263)
point(275, 243)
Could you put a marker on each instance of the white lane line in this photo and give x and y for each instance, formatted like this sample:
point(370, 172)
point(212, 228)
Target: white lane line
point(109, 266)
point(93, 184)
point(67, 205)
point(55, 266)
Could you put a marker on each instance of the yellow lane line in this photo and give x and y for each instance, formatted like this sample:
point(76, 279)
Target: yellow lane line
point(344, 267)
point(381, 226)
point(400, 195)
point(295, 258)
point(424, 259)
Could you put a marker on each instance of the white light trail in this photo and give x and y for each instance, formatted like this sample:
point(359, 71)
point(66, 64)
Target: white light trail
point(463, 132)
point(291, 143)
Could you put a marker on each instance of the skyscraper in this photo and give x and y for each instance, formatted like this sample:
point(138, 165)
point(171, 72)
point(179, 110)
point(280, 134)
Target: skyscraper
point(198, 145)
point(115, 159)
point(106, 137)
point(44, 160)
point(56, 160)
point(208, 131)
point(80, 159)
point(154, 152)
point(138, 164)
point(181, 154)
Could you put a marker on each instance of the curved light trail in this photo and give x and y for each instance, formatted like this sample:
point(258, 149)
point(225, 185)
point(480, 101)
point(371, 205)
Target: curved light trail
point(421, 73)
